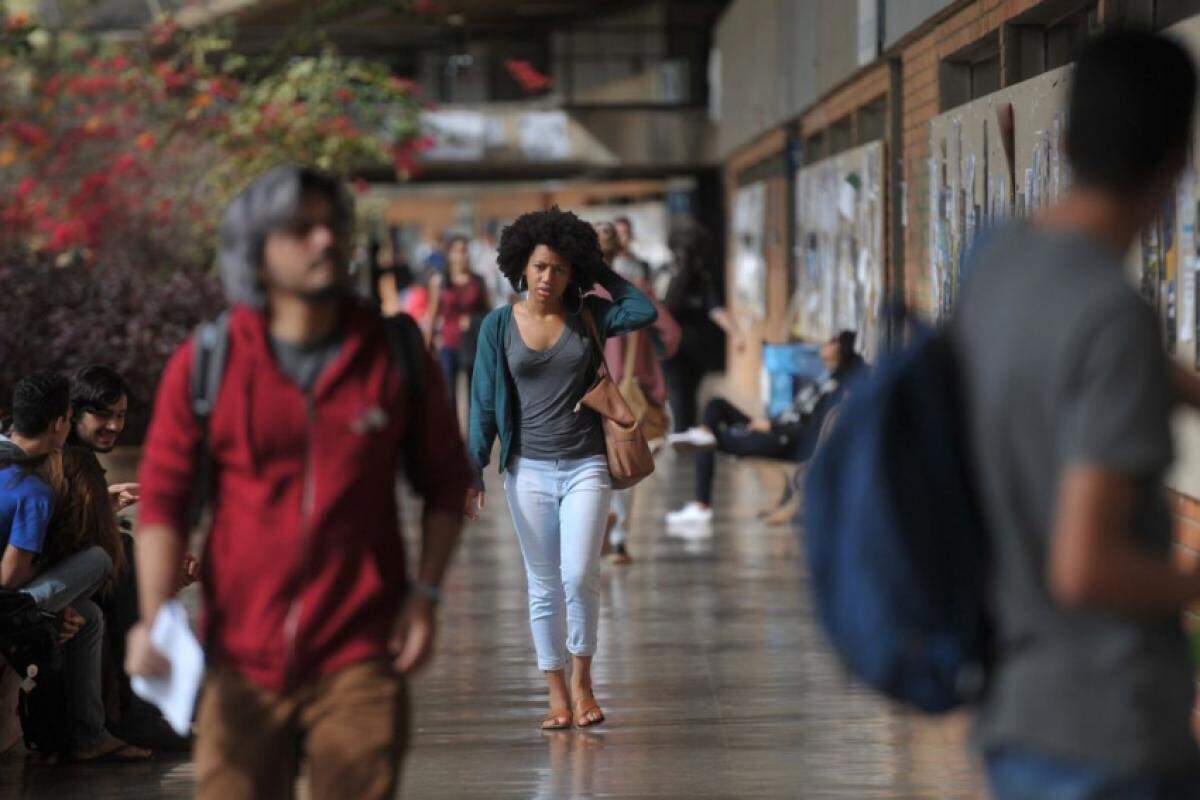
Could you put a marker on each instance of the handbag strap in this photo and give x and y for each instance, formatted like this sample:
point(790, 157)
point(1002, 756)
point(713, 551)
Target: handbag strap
point(590, 323)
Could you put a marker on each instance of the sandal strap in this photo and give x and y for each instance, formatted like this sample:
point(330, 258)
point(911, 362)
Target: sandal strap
point(586, 705)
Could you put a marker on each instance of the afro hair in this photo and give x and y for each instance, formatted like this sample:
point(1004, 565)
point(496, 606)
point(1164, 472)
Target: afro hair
point(561, 231)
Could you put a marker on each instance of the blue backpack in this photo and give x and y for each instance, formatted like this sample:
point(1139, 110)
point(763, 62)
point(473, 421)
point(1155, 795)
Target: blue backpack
point(893, 533)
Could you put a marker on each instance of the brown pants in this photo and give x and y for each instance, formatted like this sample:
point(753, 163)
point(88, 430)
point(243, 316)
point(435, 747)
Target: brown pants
point(351, 727)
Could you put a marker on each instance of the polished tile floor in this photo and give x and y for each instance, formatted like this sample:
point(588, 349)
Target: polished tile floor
point(714, 679)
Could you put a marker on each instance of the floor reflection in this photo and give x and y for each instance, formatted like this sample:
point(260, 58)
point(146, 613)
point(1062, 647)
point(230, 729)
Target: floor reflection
point(712, 675)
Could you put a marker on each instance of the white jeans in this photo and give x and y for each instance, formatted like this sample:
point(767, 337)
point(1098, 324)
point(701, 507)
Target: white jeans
point(559, 509)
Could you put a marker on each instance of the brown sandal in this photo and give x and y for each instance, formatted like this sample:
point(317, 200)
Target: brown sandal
point(585, 706)
point(553, 720)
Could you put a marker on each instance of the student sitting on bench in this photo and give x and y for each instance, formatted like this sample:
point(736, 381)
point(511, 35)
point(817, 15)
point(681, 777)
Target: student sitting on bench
point(790, 437)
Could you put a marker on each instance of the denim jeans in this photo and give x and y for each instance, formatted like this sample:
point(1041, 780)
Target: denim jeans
point(453, 363)
point(1019, 775)
point(71, 582)
point(559, 509)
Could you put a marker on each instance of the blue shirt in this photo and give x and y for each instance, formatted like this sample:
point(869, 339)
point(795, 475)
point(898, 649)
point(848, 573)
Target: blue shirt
point(25, 505)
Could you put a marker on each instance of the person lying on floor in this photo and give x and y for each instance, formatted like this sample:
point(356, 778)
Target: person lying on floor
point(790, 437)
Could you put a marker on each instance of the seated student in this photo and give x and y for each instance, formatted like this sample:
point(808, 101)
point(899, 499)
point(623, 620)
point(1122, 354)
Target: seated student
point(85, 516)
point(790, 437)
point(40, 425)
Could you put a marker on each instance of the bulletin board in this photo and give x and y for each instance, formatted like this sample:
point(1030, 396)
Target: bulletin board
point(989, 160)
point(839, 266)
point(980, 151)
point(749, 249)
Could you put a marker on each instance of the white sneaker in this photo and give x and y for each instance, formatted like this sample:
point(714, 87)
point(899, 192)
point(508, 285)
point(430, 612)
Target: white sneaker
point(692, 439)
point(691, 514)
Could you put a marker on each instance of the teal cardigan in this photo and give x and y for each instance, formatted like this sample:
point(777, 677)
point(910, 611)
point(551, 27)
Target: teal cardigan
point(493, 394)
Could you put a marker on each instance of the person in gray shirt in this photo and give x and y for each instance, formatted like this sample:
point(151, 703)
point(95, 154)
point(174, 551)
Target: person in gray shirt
point(1069, 395)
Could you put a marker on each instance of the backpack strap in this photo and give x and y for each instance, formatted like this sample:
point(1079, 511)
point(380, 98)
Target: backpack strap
point(210, 350)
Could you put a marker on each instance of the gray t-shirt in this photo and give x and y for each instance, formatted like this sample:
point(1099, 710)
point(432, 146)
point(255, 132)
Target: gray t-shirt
point(1063, 366)
point(549, 383)
point(304, 363)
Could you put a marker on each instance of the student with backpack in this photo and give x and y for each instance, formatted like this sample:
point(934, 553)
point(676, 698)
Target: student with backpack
point(1068, 395)
point(993, 527)
point(311, 621)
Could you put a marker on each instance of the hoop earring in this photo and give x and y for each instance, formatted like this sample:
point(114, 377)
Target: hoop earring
point(522, 284)
point(578, 302)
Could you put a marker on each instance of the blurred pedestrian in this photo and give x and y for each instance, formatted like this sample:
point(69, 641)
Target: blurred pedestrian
point(1070, 396)
point(645, 350)
point(694, 302)
point(457, 305)
point(311, 621)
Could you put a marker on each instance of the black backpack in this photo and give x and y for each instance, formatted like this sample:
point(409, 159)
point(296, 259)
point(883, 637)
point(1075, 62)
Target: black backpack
point(29, 643)
point(211, 347)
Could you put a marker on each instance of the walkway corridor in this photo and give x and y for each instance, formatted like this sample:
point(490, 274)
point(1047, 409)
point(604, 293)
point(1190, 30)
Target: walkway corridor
point(714, 679)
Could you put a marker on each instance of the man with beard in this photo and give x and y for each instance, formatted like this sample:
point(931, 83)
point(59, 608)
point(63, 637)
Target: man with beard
point(100, 405)
point(310, 623)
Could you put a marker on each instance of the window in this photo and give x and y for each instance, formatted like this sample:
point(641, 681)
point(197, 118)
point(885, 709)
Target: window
point(1048, 37)
point(841, 135)
point(872, 122)
point(972, 72)
point(1168, 12)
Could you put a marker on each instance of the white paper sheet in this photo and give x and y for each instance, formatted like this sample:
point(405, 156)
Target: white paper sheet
point(174, 695)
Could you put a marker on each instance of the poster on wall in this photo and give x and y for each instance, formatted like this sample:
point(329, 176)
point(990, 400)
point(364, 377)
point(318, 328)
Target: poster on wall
point(839, 266)
point(455, 135)
point(544, 136)
point(992, 159)
point(750, 263)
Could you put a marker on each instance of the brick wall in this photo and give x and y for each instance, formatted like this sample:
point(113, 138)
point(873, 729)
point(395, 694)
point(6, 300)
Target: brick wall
point(863, 88)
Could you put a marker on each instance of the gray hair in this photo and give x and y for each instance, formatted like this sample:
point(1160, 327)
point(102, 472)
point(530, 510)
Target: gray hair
point(269, 203)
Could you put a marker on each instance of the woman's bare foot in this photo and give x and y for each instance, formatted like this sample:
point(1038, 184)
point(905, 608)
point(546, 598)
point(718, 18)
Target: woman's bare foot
point(560, 702)
point(587, 711)
point(112, 749)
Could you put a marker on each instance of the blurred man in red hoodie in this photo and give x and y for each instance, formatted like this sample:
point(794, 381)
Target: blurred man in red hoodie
point(310, 623)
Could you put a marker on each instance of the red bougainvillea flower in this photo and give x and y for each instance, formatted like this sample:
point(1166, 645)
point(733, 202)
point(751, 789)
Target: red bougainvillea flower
point(29, 134)
point(67, 234)
point(403, 85)
point(527, 76)
point(16, 22)
point(161, 33)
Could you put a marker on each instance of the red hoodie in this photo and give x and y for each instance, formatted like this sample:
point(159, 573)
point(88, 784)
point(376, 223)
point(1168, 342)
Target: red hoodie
point(304, 567)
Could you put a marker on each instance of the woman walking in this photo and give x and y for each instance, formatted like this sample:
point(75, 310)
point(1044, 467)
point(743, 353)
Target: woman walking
point(457, 304)
point(694, 302)
point(649, 348)
point(536, 359)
